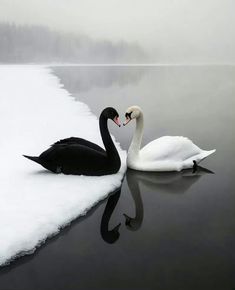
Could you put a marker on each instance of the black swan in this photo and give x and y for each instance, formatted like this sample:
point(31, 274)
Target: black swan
point(110, 236)
point(81, 157)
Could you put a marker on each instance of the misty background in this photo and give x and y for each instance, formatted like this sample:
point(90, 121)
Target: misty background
point(111, 31)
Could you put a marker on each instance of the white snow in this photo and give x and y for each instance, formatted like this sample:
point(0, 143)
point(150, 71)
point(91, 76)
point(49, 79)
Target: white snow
point(35, 111)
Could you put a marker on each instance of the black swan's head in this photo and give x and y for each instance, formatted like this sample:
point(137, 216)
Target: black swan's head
point(111, 113)
point(132, 112)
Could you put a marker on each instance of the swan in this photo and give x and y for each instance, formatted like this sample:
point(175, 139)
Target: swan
point(82, 157)
point(167, 153)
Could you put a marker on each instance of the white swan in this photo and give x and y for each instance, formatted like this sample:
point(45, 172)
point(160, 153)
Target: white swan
point(168, 153)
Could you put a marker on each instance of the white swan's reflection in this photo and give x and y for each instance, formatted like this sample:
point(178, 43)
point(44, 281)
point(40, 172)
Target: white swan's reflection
point(165, 182)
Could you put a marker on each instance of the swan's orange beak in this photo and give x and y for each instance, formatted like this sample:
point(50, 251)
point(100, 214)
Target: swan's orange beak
point(127, 121)
point(117, 121)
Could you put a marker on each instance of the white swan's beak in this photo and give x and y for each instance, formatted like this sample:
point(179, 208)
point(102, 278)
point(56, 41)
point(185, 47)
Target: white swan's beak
point(117, 121)
point(127, 121)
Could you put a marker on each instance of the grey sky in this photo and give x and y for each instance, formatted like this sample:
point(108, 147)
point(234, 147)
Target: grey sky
point(163, 25)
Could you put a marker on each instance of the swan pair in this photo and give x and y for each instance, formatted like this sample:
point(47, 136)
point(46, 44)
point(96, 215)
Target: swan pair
point(82, 157)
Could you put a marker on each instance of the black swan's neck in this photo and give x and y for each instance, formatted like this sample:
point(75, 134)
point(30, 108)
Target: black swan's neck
point(133, 184)
point(110, 236)
point(111, 150)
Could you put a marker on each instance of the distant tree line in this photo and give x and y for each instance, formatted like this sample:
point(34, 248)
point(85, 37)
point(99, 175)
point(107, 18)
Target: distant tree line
point(21, 44)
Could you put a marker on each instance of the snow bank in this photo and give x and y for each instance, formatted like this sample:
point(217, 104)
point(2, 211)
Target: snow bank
point(35, 111)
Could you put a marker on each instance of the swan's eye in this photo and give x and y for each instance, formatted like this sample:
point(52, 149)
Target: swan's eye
point(128, 115)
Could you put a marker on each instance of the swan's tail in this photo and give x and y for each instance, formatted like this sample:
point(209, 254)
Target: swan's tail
point(198, 158)
point(205, 154)
point(33, 158)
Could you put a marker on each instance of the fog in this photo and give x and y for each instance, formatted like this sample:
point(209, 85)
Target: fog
point(38, 44)
point(170, 31)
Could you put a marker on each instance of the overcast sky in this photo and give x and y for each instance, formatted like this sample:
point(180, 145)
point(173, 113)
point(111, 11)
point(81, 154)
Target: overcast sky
point(156, 24)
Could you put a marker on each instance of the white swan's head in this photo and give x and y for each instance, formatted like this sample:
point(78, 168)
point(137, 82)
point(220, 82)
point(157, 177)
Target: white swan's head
point(132, 112)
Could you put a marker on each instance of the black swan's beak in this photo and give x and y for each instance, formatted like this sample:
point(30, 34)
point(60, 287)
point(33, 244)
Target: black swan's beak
point(117, 121)
point(116, 229)
point(128, 219)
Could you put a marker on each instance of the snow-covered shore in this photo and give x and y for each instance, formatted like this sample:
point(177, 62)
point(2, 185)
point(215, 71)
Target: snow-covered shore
point(35, 111)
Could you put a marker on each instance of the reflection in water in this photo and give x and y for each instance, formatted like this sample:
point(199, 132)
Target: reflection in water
point(110, 236)
point(133, 184)
point(167, 182)
point(81, 79)
point(171, 182)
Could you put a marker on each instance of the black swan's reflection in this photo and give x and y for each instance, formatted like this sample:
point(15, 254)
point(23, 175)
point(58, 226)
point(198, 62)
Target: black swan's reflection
point(164, 182)
point(110, 236)
point(133, 184)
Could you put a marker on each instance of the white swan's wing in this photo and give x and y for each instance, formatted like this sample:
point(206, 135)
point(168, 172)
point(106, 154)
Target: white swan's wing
point(168, 153)
point(170, 148)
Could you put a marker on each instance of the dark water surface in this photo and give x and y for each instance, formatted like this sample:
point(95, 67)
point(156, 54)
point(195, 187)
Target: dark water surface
point(177, 229)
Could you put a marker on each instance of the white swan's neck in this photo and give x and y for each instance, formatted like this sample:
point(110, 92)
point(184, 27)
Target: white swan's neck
point(137, 137)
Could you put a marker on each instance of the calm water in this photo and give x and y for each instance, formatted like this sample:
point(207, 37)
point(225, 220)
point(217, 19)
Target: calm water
point(159, 231)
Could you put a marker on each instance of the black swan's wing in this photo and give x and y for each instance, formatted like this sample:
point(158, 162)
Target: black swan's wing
point(76, 159)
point(78, 141)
